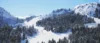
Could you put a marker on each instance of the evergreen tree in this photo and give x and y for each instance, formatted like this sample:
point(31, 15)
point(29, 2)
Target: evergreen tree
point(52, 41)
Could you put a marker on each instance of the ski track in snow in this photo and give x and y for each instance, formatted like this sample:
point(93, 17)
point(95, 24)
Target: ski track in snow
point(43, 35)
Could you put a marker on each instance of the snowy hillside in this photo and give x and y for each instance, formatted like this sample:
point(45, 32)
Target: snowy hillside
point(89, 9)
point(43, 35)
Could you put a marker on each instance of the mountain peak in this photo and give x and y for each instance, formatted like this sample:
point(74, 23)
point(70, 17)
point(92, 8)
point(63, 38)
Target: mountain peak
point(89, 9)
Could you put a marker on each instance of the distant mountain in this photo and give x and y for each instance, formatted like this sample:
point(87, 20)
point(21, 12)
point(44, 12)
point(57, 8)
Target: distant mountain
point(89, 9)
point(7, 18)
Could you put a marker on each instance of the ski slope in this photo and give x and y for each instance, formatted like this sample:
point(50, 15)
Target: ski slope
point(43, 35)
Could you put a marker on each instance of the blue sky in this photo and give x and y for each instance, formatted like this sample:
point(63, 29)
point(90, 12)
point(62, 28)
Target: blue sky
point(38, 7)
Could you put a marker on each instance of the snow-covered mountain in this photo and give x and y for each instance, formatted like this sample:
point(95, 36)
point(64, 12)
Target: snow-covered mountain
point(43, 35)
point(89, 9)
point(58, 20)
point(7, 18)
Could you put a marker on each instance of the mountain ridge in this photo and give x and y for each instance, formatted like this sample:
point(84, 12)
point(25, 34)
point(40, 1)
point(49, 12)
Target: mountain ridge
point(7, 18)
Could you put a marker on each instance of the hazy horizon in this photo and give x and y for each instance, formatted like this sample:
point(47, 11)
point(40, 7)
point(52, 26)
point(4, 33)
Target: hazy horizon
point(38, 7)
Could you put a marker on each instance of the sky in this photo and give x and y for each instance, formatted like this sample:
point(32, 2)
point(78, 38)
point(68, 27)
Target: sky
point(38, 7)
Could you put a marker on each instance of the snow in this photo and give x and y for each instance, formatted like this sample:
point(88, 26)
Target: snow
point(97, 20)
point(91, 25)
point(43, 35)
point(86, 9)
point(22, 17)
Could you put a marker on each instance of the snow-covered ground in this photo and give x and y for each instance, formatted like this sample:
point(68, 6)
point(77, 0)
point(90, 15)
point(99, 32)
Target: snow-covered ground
point(97, 20)
point(91, 25)
point(43, 35)
point(86, 9)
